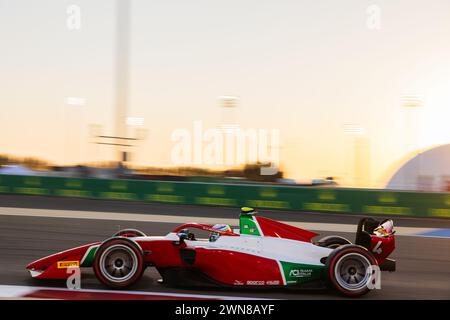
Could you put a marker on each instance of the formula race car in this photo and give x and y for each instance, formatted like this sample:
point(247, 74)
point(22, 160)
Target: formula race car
point(261, 253)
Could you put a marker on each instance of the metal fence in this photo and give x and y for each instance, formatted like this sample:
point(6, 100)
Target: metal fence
point(337, 200)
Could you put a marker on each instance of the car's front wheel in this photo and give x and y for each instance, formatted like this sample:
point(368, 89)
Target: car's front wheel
point(129, 233)
point(119, 263)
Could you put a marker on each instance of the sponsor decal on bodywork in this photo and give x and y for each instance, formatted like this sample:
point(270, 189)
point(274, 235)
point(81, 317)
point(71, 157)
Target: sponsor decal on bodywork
point(295, 273)
point(88, 257)
point(262, 283)
point(68, 264)
point(249, 225)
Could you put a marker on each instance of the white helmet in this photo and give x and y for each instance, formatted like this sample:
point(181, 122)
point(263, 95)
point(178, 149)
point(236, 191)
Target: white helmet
point(213, 236)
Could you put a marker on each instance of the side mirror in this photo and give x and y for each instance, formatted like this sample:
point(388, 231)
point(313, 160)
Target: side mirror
point(182, 235)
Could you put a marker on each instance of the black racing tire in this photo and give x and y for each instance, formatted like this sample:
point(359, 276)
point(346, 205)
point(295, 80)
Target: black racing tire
point(347, 270)
point(333, 242)
point(119, 263)
point(129, 233)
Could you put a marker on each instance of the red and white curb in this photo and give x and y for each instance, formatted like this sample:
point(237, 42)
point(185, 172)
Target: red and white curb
point(25, 292)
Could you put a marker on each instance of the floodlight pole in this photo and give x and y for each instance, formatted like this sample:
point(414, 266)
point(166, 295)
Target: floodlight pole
point(122, 72)
point(411, 103)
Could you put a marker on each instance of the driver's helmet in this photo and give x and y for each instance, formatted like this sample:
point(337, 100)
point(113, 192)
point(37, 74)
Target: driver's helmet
point(385, 229)
point(213, 236)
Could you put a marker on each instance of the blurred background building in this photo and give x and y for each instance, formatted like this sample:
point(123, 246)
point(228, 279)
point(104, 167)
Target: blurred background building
point(426, 171)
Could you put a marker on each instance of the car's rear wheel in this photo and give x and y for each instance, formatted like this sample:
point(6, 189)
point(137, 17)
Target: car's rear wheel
point(349, 269)
point(333, 242)
point(119, 263)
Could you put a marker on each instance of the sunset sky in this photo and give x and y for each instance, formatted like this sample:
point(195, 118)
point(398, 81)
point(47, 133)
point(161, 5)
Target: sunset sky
point(307, 68)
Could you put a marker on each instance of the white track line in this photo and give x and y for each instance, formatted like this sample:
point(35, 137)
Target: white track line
point(10, 291)
point(94, 215)
point(15, 291)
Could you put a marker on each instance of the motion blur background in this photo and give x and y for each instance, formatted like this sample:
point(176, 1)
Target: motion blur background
point(98, 99)
point(359, 91)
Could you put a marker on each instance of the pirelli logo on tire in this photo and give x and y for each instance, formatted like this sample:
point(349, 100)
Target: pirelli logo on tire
point(68, 264)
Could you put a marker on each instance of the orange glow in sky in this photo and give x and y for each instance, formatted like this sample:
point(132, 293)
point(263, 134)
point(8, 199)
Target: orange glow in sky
point(305, 68)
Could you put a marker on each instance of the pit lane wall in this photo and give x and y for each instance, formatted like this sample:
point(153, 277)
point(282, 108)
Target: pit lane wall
point(335, 200)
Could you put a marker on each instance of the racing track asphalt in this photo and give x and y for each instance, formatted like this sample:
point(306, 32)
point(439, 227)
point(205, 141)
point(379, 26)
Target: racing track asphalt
point(423, 264)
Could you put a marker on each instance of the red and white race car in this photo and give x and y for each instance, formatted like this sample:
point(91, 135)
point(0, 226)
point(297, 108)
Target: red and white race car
point(262, 253)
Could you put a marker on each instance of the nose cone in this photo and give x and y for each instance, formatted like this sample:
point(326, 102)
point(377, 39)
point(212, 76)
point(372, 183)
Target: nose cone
point(38, 264)
point(56, 266)
point(37, 267)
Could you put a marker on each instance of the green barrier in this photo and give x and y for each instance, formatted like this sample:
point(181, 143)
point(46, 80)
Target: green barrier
point(336, 200)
